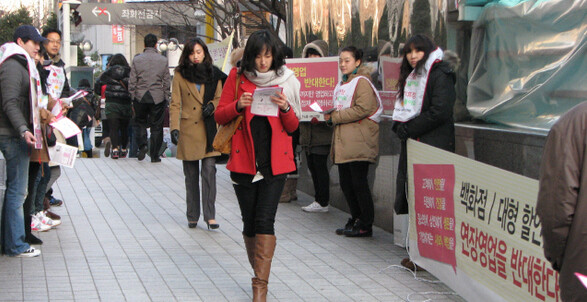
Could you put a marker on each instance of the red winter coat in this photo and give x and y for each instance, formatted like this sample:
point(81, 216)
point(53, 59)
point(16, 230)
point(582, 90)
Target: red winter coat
point(242, 154)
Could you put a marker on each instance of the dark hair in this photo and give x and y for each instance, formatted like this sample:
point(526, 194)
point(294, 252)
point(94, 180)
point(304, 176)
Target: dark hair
point(150, 40)
point(47, 31)
point(312, 51)
point(188, 48)
point(117, 59)
point(355, 52)
point(24, 40)
point(258, 41)
point(418, 42)
point(287, 51)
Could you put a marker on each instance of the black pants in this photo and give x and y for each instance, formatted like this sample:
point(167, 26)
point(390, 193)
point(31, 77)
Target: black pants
point(318, 166)
point(258, 203)
point(355, 187)
point(118, 132)
point(149, 115)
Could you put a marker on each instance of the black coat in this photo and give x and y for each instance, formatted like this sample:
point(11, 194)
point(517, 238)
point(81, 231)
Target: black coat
point(434, 126)
point(116, 80)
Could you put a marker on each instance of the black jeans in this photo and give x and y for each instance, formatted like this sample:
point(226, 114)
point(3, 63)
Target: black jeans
point(258, 203)
point(318, 166)
point(355, 187)
point(118, 132)
point(150, 115)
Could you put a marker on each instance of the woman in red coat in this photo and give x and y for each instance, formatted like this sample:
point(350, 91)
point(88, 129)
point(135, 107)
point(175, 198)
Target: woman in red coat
point(261, 153)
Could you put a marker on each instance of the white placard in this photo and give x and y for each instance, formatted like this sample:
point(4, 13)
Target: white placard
point(262, 104)
point(63, 154)
point(67, 127)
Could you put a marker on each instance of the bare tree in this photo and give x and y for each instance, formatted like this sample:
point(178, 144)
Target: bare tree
point(228, 16)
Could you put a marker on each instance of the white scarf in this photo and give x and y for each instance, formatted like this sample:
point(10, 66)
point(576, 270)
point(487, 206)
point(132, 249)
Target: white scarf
point(10, 49)
point(287, 80)
point(409, 105)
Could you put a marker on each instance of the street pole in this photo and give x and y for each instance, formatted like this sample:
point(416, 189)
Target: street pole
point(66, 57)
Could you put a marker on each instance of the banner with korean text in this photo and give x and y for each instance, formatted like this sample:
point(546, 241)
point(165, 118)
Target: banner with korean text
point(475, 228)
point(117, 34)
point(318, 78)
point(390, 68)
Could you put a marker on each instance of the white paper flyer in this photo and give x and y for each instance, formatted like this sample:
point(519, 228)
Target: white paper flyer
point(262, 104)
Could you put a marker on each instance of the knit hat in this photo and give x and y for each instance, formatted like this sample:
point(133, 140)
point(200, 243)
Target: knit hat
point(319, 45)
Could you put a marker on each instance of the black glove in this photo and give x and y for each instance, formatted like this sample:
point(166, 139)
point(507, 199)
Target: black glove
point(174, 136)
point(208, 110)
point(402, 131)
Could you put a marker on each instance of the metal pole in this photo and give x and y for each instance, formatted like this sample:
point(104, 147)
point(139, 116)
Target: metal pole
point(66, 57)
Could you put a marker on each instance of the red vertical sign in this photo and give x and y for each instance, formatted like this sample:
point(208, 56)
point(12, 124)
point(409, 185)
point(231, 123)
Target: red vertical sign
point(117, 34)
point(435, 212)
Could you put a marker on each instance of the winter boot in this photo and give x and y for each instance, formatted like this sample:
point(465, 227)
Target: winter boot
point(264, 249)
point(250, 246)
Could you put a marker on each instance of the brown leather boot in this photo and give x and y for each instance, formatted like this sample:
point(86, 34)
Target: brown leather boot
point(264, 249)
point(250, 246)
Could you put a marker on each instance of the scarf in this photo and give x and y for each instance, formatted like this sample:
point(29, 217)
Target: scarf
point(10, 49)
point(207, 76)
point(409, 105)
point(287, 80)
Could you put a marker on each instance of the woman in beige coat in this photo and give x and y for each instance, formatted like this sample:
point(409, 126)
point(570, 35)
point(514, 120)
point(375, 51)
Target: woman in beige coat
point(355, 142)
point(197, 86)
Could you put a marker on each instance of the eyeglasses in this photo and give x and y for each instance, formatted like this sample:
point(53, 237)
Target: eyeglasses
point(49, 41)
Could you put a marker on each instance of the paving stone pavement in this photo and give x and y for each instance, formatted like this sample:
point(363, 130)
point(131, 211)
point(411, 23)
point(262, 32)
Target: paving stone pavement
point(124, 237)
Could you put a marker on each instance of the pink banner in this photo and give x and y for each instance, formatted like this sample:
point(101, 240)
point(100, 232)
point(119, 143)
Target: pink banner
point(117, 34)
point(318, 80)
point(435, 212)
point(390, 68)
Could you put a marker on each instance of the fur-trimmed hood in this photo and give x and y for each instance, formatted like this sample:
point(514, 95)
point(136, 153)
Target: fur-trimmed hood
point(319, 45)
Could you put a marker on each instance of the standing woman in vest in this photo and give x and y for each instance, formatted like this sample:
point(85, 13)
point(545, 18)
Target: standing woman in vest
point(355, 142)
point(197, 85)
point(261, 153)
point(423, 109)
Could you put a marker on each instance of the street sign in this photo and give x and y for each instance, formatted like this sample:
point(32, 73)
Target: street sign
point(137, 13)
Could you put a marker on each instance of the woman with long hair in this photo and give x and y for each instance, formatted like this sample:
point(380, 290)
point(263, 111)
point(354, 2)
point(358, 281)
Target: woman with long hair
point(424, 107)
point(197, 85)
point(355, 142)
point(118, 104)
point(261, 153)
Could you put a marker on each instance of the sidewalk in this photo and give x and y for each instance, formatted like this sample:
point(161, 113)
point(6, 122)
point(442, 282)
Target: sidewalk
point(124, 237)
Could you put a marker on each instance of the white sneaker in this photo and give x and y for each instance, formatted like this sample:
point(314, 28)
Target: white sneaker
point(46, 220)
point(31, 252)
point(315, 207)
point(37, 225)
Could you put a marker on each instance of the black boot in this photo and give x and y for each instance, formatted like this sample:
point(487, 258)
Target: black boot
point(360, 230)
point(347, 227)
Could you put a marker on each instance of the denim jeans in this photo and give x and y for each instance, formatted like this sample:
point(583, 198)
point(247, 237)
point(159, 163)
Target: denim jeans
point(16, 153)
point(86, 135)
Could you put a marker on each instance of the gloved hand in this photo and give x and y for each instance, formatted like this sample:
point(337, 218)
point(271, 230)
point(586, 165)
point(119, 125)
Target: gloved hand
point(174, 136)
point(402, 131)
point(208, 110)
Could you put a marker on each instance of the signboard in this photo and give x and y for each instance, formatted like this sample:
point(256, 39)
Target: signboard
point(475, 228)
point(318, 78)
point(135, 13)
point(390, 68)
point(117, 34)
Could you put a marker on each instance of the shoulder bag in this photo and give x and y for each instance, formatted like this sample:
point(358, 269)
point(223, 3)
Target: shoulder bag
point(223, 139)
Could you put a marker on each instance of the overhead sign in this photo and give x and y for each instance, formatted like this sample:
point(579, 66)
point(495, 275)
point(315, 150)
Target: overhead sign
point(136, 13)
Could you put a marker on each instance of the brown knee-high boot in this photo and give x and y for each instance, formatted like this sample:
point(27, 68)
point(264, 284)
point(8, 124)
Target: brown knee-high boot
point(264, 249)
point(250, 246)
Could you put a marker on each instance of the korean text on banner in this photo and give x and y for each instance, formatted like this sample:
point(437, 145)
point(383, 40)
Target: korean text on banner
point(318, 78)
point(117, 34)
point(475, 228)
point(220, 52)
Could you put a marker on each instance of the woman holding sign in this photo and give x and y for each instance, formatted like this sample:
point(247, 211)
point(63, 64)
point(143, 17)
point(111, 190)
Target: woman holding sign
point(261, 153)
point(355, 142)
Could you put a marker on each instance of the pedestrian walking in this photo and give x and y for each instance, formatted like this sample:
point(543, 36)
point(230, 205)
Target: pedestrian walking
point(149, 88)
point(261, 153)
point(197, 86)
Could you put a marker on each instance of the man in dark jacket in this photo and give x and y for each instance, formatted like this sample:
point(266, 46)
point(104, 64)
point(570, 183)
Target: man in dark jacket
point(148, 85)
point(562, 201)
point(16, 69)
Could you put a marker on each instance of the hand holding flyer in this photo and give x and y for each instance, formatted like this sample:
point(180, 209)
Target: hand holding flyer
point(262, 104)
point(67, 127)
point(316, 107)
